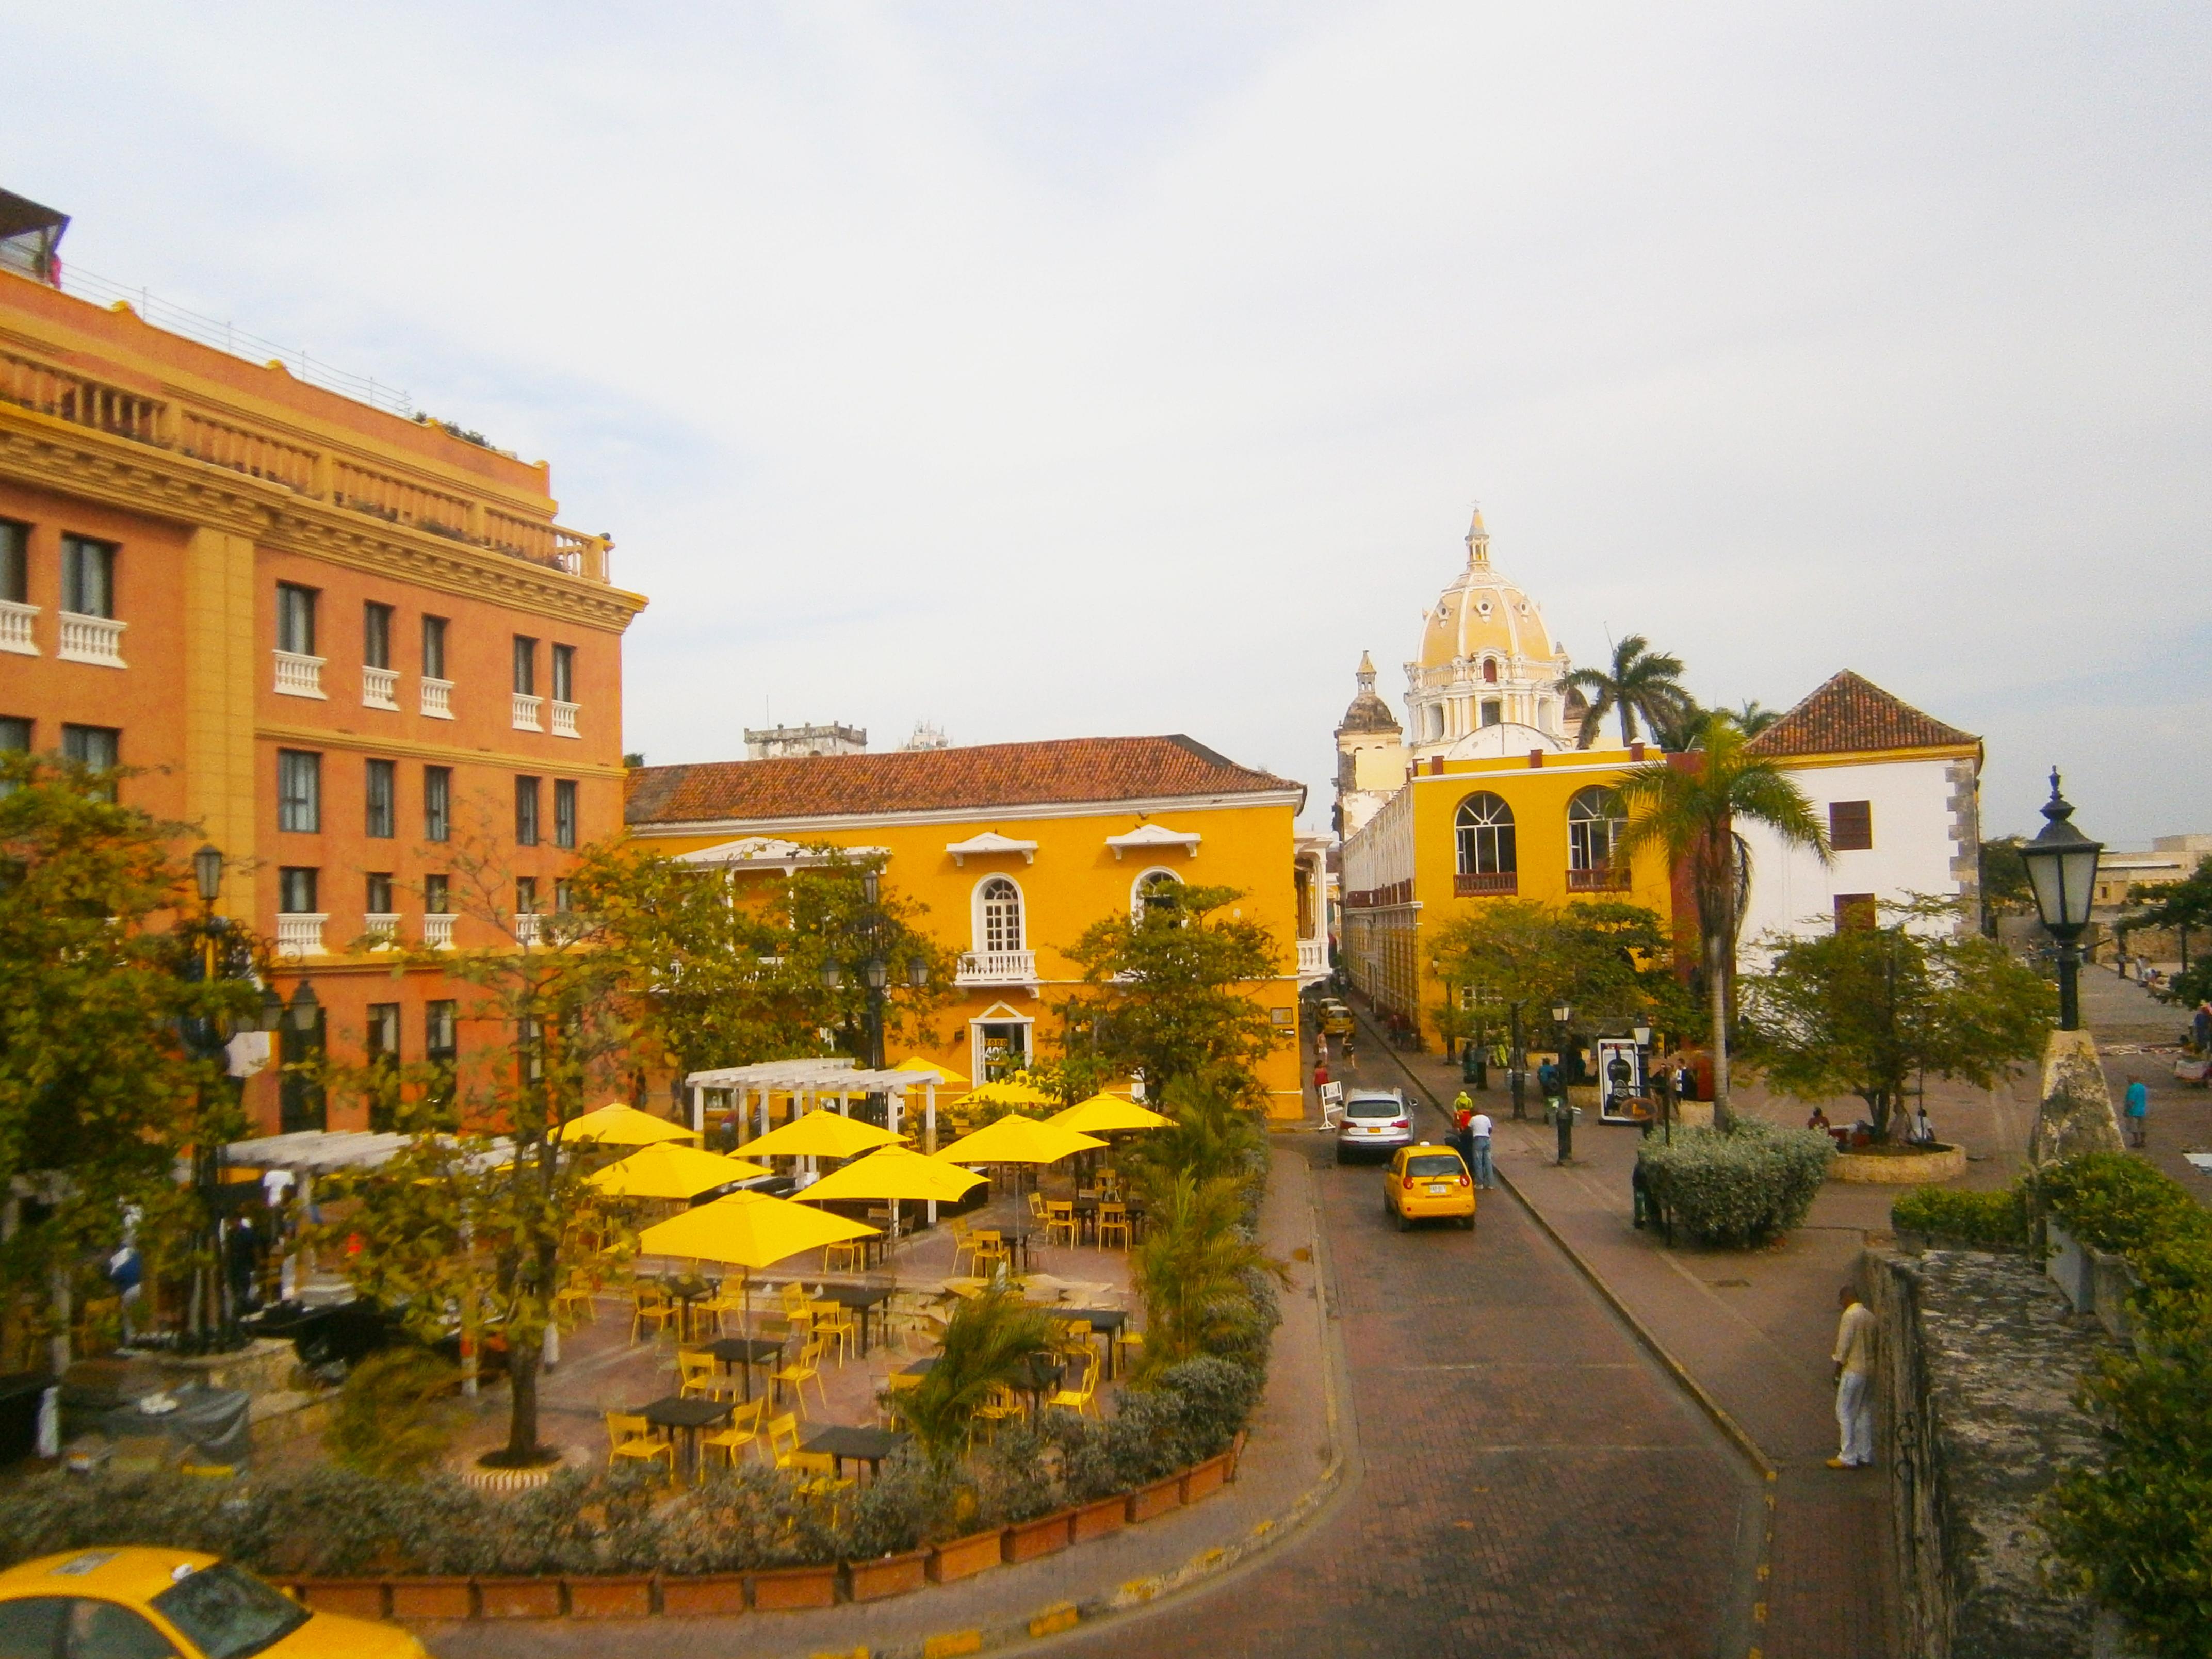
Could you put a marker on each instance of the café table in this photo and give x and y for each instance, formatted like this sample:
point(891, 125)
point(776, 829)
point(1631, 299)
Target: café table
point(687, 1293)
point(744, 1353)
point(864, 1300)
point(869, 1446)
point(687, 1416)
point(921, 1367)
point(1105, 1321)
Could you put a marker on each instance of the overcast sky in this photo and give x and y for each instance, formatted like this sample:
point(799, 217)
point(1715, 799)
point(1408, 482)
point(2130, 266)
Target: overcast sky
point(1046, 370)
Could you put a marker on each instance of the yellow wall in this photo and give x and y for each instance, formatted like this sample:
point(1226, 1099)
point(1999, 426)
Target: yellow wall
point(1072, 880)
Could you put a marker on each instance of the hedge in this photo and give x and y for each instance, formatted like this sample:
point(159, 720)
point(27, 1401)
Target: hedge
point(1987, 1221)
point(1737, 1186)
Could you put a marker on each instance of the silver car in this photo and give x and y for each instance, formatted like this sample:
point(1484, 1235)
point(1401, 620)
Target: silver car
point(1377, 1122)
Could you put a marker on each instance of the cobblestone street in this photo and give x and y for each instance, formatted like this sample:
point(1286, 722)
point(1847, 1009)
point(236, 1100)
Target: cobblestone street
point(1529, 1482)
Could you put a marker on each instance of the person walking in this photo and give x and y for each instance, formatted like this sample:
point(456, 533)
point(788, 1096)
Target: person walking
point(1853, 1358)
point(2202, 1025)
point(1478, 1128)
point(1320, 1075)
point(2136, 1109)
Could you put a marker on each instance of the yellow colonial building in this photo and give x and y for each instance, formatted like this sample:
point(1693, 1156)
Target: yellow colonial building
point(1015, 850)
point(1492, 798)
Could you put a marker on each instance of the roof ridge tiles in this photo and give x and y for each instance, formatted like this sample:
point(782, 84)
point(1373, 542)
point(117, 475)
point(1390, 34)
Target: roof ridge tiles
point(1849, 712)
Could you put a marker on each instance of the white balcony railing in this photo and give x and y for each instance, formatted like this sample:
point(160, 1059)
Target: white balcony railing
point(382, 928)
point(526, 928)
point(564, 720)
point(299, 934)
point(91, 639)
point(1313, 958)
point(438, 930)
point(380, 688)
point(525, 711)
point(15, 628)
point(438, 699)
point(299, 675)
point(995, 968)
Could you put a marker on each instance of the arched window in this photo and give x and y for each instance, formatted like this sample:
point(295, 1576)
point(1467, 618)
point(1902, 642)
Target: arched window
point(1594, 821)
point(1490, 671)
point(1485, 837)
point(1155, 894)
point(999, 919)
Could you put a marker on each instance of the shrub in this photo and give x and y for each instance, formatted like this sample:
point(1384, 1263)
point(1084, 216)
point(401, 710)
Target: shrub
point(1741, 1185)
point(396, 1415)
point(1988, 1221)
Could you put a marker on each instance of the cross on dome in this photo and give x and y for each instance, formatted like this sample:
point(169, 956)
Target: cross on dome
point(1477, 542)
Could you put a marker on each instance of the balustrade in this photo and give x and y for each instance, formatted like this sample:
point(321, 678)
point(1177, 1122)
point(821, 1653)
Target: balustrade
point(299, 675)
point(438, 699)
point(69, 396)
point(438, 930)
point(254, 453)
point(525, 711)
point(299, 934)
point(995, 968)
point(526, 928)
point(564, 720)
point(1313, 956)
point(1604, 878)
point(91, 639)
point(16, 631)
point(380, 688)
point(1485, 883)
point(382, 929)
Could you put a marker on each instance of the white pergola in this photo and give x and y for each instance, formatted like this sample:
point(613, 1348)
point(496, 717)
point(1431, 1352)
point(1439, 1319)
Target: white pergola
point(829, 1083)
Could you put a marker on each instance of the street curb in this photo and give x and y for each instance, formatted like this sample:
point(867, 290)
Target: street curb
point(1731, 1431)
point(1059, 1616)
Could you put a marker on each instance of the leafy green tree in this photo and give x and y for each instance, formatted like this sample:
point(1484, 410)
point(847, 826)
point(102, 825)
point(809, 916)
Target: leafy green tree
point(2006, 890)
point(1165, 992)
point(1639, 681)
point(1690, 811)
point(1603, 957)
point(396, 1414)
point(110, 1024)
point(1866, 1011)
point(2180, 905)
point(1194, 1271)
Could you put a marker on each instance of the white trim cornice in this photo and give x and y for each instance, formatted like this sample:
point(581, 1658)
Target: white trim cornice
point(1147, 836)
point(989, 841)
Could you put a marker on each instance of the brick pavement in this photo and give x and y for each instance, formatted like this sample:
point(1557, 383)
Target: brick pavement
point(1754, 1328)
point(1530, 1482)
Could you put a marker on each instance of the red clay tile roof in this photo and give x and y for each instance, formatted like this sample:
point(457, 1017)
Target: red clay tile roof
point(1849, 713)
point(1071, 769)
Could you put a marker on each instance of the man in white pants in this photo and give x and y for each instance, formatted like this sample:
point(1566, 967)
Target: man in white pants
point(1854, 1358)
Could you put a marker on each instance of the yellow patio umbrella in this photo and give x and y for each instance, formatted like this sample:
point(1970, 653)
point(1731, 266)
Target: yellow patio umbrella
point(1108, 1113)
point(894, 1173)
point(617, 1124)
point(1008, 1093)
point(667, 1170)
point(1020, 1140)
point(820, 1134)
point(946, 1074)
point(748, 1230)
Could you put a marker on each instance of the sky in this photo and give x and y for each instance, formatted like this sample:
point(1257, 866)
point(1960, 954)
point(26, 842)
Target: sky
point(1041, 369)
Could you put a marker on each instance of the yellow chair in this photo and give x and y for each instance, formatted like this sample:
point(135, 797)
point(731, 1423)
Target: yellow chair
point(988, 1249)
point(1112, 1218)
point(573, 1306)
point(820, 1473)
point(782, 1438)
point(697, 1375)
point(1127, 1343)
point(1036, 1205)
point(1059, 1221)
point(807, 1367)
point(1001, 1403)
point(963, 1240)
point(650, 1305)
point(847, 1255)
point(887, 1400)
point(723, 1301)
point(631, 1436)
point(1072, 1337)
point(834, 1321)
point(1082, 1399)
point(745, 1429)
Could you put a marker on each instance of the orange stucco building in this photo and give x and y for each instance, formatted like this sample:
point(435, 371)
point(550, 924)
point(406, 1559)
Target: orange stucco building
point(339, 642)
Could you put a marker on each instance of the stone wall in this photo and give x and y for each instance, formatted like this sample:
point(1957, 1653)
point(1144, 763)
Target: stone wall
point(1980, 1357)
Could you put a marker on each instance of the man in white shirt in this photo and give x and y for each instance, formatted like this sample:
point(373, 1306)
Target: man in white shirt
point(1478, 1139)
point(1853, 1358)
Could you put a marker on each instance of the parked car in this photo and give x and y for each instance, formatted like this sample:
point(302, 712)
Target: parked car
point(133, 1603)
point(1335, 1018)
point(1376, 1123)
point(1428, 1182)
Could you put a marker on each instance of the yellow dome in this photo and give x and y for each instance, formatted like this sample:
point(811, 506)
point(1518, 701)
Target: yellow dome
point(1481, 613)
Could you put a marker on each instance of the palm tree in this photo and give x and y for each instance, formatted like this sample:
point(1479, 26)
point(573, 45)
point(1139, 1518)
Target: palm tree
point(1754, 717)
point(1691, 814)
point(987, 1343)
point(1641, 681)
point(1192, 1270)
point(1682, 727)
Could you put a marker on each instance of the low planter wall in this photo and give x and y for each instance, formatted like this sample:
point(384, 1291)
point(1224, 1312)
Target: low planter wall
point(1899, 1169)
point(637, 1595)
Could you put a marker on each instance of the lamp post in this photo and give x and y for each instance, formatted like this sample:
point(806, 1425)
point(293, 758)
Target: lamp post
point(1563, 1115)
point(1643, 1036)
point(1517, 1072)
point(871, 935)
point(2062, 868)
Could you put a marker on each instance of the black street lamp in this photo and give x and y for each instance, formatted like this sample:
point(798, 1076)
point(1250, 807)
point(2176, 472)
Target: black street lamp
point(1562, 1116)
point(871, 932)
point(207, 874)
point(2062, 868)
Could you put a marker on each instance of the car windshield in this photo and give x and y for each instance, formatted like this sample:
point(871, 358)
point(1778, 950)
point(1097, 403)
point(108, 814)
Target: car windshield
point(227, 1613)
point(1371, 1106)
point(1433, 1165)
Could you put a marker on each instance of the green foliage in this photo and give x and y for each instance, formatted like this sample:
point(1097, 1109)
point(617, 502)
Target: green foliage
point(1167, 993)
point(1985, 1221)
point(1212, 1134)
point(396, 1415)
point(1866, 1011)
point(988, 1344)
point(2006, 890)
point(1595, 954)
point(1194, 1272)
point(1639, 681)
point(1739, 1186)
point(2180, 905)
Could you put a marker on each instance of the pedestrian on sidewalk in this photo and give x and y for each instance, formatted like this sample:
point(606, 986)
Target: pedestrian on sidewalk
point(2202, 1025)
point(1479, 1129)
point(1819, 1121)
point(1321, 1048)
point(1320, 1075)
point(1853, 1358)
point(2136, 1110)
point(1347, 1047)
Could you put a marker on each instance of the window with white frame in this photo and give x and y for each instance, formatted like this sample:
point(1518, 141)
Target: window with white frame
point(1156, 893)
point(999, 915)
point(1596, 818)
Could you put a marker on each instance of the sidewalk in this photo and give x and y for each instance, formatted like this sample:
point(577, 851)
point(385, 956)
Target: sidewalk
point(1292, 1455)
point(1753, 1330)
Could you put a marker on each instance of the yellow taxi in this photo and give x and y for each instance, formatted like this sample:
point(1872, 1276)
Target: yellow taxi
point(1335, 1018)
point(129, 1602)
point(1428, 1182)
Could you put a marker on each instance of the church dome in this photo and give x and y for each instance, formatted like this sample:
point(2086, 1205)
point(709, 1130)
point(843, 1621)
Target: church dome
point(1482, 614)
point(1367, 712)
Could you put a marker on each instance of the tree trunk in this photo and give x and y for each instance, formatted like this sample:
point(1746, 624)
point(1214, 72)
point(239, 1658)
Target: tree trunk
point(1716, 976)
point(522, 1412)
